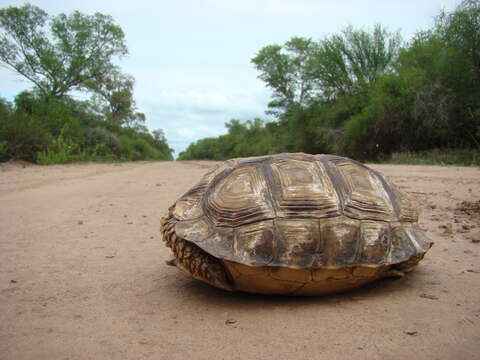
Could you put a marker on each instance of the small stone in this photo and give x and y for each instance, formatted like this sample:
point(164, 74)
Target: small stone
point(109, 256)
point(13, 281)
point(475, 238)
point(430, 297)
point(411, 332)
point(473, 271)
point(80, 222)
point(447, 228)
point(230, 321)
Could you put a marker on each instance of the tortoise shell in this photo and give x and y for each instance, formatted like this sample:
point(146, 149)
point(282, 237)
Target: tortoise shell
point(293, 224)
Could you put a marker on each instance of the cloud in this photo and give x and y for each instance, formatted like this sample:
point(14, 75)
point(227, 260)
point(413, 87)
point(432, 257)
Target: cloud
point(187, 116)
point(194, 101)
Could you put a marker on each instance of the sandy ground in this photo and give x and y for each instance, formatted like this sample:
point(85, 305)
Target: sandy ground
point(83, 276)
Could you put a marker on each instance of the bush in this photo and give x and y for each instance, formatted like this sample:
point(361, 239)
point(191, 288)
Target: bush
point(61, 151)
point(103, 141)
point(136, 148)
point(25, 136)
point(57, 131)
point(3, 150)
point(436, 157)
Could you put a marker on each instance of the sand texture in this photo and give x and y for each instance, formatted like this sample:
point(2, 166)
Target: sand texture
point(83, 276)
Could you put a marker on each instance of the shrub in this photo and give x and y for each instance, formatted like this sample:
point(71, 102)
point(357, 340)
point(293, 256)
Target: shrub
point(436, 157)
point(25, 136)
point(3, 150)
point(60, 152)
point(103, 141)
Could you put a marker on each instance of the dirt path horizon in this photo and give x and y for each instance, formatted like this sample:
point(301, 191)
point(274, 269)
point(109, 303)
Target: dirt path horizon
point(83, 276)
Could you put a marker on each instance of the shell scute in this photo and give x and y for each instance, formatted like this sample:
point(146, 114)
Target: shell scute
point(299, 243)
point(340, 237)
point(365, 197)
point(303, 189)
point(220, 242)
point(407, 211)
point(239, 197)
point(195, 230)
point(189, 206)
point(374, 242)
point(254, 243)
point(402, 244)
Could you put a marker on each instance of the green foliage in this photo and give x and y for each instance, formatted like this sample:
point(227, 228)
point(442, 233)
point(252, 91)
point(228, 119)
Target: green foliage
point(24, 135)
point(249, 139)
point(60, 151)
point(114, 96)
point(347, 62)
point(63, 130)
point(3, 150)
point(103, 141)
point(366, 95)
point(69, 52)
point(436, 157)
point(60, 53)
point(304, 71)
point(461, 31)
point(287, 71)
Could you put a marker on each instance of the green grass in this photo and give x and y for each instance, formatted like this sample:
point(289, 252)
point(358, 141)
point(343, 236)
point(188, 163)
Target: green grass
point(443, 157)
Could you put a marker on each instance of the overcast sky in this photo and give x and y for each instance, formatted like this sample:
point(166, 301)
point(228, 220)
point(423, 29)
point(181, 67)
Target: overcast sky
point(191, 59)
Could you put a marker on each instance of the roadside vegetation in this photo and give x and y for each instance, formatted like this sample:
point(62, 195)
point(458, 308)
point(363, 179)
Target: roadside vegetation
point(67, 57)
point(368, 95)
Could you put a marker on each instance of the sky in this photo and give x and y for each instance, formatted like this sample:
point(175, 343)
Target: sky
point(191, 59)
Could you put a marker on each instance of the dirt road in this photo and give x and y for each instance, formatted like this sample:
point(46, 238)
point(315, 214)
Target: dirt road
point(83, 276)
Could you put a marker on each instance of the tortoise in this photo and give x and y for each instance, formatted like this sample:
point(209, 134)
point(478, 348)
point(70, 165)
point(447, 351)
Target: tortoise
point(293, 224)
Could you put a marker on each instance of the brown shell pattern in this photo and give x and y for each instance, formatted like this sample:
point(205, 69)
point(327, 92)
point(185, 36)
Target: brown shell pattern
point(300, 211)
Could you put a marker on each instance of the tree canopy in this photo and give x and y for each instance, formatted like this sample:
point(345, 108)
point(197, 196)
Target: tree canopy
point(113, 94)
point(367, 94)
point(303, 71)
point(60, 53)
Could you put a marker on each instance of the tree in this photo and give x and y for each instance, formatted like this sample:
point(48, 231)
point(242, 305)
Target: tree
point(287, 71)
point(347, 62)
point(61, 53)
point(461, 29)
point(303, 71)
point(114, 92)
